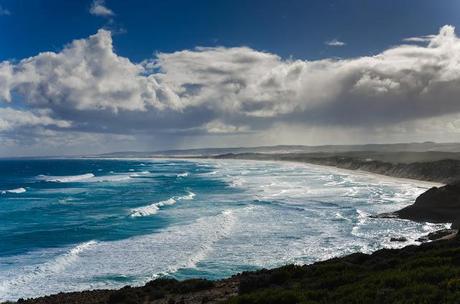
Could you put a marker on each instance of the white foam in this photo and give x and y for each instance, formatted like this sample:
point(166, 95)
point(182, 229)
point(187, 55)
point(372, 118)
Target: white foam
point(142, 258)
point(47, 269)
point(138, 174)
point(218, 231)
point(237, 182)
point(67, 178)
point(85, 178)
point(152, 208)
point(189, 196)
point(155, 207)
point(109, 178)
point(340, 216)
point(185, 174)
point(15, 191)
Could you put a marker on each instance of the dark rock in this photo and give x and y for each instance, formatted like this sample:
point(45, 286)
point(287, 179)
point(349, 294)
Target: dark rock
point(437, 205)
point(433, 236)
point(385, 215)
point(398, 239)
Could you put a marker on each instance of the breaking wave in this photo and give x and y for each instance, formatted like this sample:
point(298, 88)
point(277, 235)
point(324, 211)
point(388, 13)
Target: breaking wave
point(36, 273)
point(67, 178)
point(86, 178)
point(155, 207)
point(15, 191)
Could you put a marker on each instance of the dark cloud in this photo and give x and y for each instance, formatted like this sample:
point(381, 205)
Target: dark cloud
point(88, 89)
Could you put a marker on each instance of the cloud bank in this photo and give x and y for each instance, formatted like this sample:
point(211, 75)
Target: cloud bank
point(87, 88)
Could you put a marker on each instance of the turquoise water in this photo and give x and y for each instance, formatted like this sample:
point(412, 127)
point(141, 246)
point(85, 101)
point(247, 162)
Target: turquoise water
point(79, 224)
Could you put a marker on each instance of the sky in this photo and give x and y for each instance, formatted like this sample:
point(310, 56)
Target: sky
point(84, 77)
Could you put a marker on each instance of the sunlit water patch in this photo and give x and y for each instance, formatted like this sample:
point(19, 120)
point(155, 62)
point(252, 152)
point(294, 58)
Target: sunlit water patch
point(69, 225)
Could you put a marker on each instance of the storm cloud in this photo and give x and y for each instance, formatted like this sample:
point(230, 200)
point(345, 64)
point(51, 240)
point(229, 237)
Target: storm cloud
point(88, 88)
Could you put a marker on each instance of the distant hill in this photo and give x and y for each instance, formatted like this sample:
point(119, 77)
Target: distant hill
point(400, 147)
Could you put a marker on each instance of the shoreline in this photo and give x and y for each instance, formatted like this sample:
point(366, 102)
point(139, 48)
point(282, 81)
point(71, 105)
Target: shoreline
point(340, 170)
point(362, 275)
point(345, 171)
point(443, 171)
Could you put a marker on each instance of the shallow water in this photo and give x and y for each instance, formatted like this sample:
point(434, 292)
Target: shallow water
point(69, 225)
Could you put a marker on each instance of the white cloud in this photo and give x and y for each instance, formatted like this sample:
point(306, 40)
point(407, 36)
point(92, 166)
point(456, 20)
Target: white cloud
point(426, 38)
point(218, 127)
point(11, 119)
point(234, 90)
point(4, 11)
point(98, 8)
point(86, 75)
point(335, 42)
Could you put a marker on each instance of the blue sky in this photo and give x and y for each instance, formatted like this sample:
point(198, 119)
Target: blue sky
point(296, 28)
point(98, 76)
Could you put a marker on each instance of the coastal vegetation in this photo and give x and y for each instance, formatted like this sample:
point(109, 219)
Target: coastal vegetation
point(429, 273)
point(414, 165)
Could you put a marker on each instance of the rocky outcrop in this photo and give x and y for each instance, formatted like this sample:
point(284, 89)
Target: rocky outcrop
point(443, 234)
point(437, 205)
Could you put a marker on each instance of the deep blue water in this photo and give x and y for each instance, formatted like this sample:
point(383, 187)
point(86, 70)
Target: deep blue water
point(55, 214)
point(73, 224)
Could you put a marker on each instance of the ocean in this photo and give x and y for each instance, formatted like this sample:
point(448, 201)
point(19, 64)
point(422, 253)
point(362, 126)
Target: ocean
point(76, 224)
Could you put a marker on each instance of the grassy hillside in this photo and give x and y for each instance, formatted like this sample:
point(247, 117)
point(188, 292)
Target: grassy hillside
point(426, 274)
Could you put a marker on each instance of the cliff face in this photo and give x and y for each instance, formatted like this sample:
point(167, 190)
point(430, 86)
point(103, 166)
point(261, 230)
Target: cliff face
point(442, 171)
point(437, 205)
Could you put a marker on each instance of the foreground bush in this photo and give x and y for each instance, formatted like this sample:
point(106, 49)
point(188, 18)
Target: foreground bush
point(426, 274)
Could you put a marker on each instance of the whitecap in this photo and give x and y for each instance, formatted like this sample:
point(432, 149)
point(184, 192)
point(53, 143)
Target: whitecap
point(110, 178)
point(152, 208)
point(185, 174)
point(139, 174)
point(155, 207)
point(66, 178)
point(362, 217)
point(339, 216)
point(85, 178)
point(15, 191)
point(189, 196)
